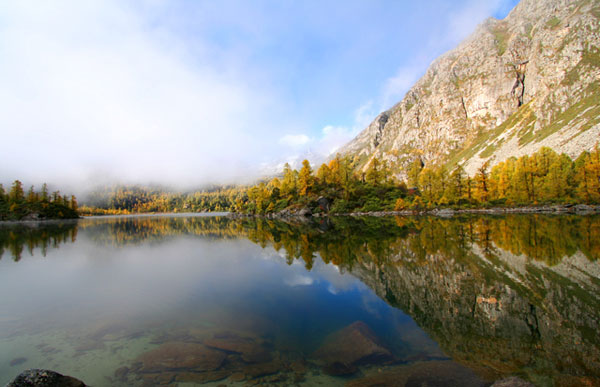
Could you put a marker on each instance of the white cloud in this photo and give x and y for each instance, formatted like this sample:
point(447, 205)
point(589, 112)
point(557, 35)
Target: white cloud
point(333, 137)
point(396, 86)
point(89, 90)
point(294, 140)
point(462, 23)
point(364, 115)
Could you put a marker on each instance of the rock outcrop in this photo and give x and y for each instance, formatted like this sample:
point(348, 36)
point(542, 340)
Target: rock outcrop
point(517, 84)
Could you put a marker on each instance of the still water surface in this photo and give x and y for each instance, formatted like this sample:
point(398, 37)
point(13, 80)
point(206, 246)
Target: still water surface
point(149, 300)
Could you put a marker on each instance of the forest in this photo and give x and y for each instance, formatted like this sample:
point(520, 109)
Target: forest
point(33, 205)
point(544, 177)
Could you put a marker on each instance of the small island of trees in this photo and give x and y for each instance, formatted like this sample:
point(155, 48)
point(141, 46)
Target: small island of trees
point(35, 205)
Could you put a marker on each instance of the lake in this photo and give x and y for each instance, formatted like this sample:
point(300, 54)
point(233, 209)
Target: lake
point(189, 299)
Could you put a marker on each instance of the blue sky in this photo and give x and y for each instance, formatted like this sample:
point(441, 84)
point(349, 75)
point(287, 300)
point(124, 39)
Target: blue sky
point(188, 92)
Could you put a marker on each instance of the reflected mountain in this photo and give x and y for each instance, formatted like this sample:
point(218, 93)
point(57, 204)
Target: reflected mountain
point(503, 295)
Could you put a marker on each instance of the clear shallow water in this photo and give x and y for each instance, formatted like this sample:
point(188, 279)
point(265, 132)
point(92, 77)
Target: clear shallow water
point(209, 299)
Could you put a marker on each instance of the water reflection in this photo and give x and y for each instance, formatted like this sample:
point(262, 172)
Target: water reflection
point(41, 236)
point(517, 294)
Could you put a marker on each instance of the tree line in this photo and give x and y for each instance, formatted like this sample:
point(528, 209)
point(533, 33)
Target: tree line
point(17, 205)
point(544, 177)
point(541, 178)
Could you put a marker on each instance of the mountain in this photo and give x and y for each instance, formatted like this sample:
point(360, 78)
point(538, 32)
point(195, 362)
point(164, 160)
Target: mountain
point(514, 86)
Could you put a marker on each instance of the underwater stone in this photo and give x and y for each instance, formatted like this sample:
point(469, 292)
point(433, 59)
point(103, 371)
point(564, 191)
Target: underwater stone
point(44, 378)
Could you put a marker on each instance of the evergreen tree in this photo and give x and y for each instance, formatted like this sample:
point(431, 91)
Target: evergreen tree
point(414, 171)
point(16, 194)
point(481, 192)
point(427, 184)
point(457, 184)
point(73, 203)
point(305, 179)
point(373, 175)
point(32, 196)
point(324, 175)
point(288, 183)
point(44, 193)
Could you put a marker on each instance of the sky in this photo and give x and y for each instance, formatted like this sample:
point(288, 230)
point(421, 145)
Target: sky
point(186, 93)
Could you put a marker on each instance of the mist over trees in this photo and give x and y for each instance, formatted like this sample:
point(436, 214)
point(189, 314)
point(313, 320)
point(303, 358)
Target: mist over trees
point(544, 177)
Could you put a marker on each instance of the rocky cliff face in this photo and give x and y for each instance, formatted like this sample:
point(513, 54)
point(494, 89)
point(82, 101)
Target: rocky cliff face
point(530, 80)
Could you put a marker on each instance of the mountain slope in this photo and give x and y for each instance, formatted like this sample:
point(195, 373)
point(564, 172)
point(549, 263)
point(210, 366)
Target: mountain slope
point(517, 84)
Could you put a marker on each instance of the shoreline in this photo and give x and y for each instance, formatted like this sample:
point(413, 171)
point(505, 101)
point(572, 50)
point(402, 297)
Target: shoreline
point(576, 209)
point(37, 221)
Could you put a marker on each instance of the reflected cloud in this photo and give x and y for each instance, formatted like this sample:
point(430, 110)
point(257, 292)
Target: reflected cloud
point(299, 280)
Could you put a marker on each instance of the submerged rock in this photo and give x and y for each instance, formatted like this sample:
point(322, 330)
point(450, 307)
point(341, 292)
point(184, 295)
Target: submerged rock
point(256, 370)
point(339, 369)
point(513, 381)
point(44, 378)
point(353, 345)
point(251, 351)
point(181, 356)
point(430, 373)
point(17, 361)
point(121, 373)
point(202, 377)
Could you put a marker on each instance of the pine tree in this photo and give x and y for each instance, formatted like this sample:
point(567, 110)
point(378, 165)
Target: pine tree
point(16, 194)
point(305, 179)
point(457, 184)
point(426, 185)
point(414, 171)
point(44, 193)
point(288, 183)
point(441, 186)
point(588, 176)
point(324, 175)
point(373, 174)
point(32, 196)
point(481, 192)
point(557, 182)
point(73, 203)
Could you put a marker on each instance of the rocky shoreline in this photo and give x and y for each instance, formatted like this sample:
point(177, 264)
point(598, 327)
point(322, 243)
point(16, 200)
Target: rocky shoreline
point(35, 222)
point(578, 209)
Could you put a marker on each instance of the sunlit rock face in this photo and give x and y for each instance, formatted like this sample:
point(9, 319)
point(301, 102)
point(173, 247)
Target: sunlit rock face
point(515, 85)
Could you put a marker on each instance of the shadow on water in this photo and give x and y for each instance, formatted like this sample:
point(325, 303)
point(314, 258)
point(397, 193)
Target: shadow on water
point(502, 295)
